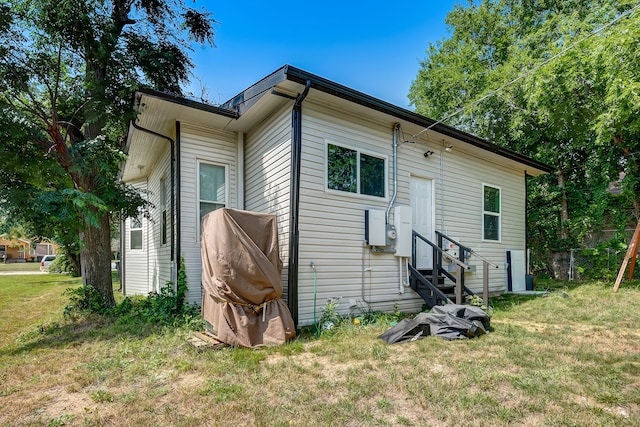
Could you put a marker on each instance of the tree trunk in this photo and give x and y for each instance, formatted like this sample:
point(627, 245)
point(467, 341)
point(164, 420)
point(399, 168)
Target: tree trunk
point(95, 258)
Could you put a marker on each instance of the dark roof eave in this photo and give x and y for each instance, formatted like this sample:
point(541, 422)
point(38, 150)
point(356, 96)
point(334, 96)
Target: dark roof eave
point(189, 103)
point(319, 83)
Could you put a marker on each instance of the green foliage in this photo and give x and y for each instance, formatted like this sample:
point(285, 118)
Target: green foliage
point(536, 78)
point(182, 285)
point(330, 319)
point(164, 308)
point(601, 262)
point(157, 308)
point(476, 301)
point(332, 322)
point(102, 396)
point(65, 105)
point(63, 265)
point(85, 300)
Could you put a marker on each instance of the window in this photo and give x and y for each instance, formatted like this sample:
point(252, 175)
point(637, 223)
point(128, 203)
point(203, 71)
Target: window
point(163, 207)
point(491, 213)
point(135, 232)
point(212, 188)
point(355, 172)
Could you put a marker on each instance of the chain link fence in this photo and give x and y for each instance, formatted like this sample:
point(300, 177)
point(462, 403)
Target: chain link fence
point(600, 261)
point(601, 258)
point(595, 263)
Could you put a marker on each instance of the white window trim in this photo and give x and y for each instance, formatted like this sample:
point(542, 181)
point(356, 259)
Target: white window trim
point(499, 214)
point(359, 151)
point(132, 228)
point(198, 200)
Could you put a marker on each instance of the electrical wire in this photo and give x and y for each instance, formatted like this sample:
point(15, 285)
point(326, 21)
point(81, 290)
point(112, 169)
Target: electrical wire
point(529, 71)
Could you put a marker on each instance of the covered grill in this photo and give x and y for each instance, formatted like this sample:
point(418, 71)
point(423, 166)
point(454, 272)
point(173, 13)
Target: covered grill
point(241, 278)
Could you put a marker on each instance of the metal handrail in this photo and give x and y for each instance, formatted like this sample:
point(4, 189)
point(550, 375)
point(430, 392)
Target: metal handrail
point(483, 259)
point(441, 251)
point(459, 281)
point(456, 260)
point(460, 245)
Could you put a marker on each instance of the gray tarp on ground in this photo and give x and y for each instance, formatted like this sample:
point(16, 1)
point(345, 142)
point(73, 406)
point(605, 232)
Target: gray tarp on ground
point(450, 321)
point(241, 279)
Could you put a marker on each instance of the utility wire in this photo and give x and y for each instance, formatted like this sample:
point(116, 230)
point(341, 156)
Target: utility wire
point(531, 70)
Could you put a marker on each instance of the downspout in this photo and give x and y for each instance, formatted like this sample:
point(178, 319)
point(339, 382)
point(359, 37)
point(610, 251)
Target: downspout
point(396, 128)
point(526, 223)
point(123, 285)
point(177, 218)
point(173, 180)
point(294, 206)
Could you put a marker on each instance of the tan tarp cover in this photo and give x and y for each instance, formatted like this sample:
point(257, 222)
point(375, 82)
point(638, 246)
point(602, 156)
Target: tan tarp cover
point(241, 270)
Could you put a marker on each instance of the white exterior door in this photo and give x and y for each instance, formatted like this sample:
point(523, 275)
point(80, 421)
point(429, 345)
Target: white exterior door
point(421, 193)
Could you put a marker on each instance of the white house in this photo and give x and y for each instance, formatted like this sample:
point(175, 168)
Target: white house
point(344, 172)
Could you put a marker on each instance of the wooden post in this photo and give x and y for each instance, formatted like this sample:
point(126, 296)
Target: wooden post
point(459, 281)
point(632, 252)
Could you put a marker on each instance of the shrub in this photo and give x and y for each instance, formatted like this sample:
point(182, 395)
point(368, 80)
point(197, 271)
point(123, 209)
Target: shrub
point(166, 307)
point(82, 301)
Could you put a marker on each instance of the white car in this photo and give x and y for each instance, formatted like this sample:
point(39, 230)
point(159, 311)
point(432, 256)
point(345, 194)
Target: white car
point(46, 261)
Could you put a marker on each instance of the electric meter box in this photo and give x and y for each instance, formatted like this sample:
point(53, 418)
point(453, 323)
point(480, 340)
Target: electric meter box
point(403, 220)
point(375, 228)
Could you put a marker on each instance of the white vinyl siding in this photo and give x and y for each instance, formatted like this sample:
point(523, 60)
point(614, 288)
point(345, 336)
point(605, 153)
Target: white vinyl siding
point(150, 268)
point(161, 268)
point(212, 146)
point(136, 261)
point(268, 176)
point(460, 214)
point(332, 222)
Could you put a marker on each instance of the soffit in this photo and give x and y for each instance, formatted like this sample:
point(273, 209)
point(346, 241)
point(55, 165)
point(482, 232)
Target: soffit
point(160, 114)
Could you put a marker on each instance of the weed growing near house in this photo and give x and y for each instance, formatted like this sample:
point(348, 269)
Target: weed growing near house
point(159, 309)
point(331, 321)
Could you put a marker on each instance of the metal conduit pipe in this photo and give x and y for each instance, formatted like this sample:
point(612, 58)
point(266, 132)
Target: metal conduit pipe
point(396, 128)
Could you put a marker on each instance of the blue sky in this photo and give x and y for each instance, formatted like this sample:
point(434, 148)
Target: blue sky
point(374, 46)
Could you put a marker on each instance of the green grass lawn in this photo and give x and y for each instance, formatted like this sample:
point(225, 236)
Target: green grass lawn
point(19, 266)
point(569, 358)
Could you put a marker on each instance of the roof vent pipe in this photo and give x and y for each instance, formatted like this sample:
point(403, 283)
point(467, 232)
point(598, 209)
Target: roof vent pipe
point(396, 128)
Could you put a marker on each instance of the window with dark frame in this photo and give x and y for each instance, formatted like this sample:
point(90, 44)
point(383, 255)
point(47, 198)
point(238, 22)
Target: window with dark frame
point(351, 171)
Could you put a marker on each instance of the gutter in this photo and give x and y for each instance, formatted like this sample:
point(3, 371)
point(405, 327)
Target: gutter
point(327, 86)
point(173, 181)
point(177, 218)
point(294, 207)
